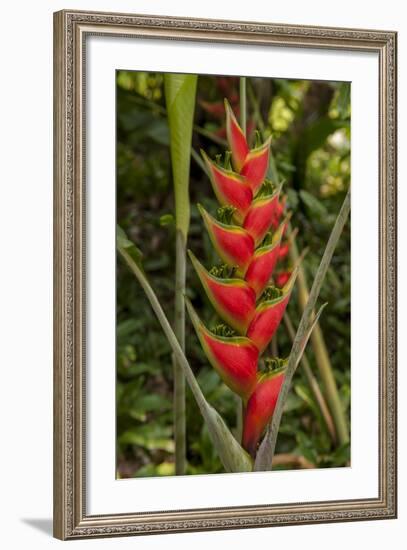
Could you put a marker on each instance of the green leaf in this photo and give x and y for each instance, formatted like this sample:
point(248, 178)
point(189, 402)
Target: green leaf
point(148, 403)
point(180, 92)
point(305, 395)
point(315, 206)
point(307, 447)
point(149, 441)
point(124, 243)
point(292, 197)
point(163, 469)
point(293, 403)
point(158, 132)
point(166, 219)
point(124, 330)
point(314, 135)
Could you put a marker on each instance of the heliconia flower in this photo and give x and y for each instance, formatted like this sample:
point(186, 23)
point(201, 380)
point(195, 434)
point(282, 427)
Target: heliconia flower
point(230, 188)
point(246, 301)
point(234, 244)
point(260, 408)
point(281, 278)
point(256, 164)
point(268, 316)
point(259, 218)
point(236, 139)
point(233, 299)
point(234, 358)
point(262, 265)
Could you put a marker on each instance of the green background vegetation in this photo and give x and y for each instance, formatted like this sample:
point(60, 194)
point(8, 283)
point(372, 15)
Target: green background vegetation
point(310, 125)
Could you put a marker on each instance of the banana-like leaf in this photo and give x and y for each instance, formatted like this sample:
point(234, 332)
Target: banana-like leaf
point(234, 458)
point(180, 92)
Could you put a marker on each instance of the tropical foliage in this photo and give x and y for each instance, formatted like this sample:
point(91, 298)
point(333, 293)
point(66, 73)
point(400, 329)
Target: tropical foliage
point(309, 124)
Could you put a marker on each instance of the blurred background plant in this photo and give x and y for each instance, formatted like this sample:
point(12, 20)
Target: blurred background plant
point(310, 125)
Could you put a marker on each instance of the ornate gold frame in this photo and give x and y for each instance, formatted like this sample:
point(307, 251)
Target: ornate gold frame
point(70, 31)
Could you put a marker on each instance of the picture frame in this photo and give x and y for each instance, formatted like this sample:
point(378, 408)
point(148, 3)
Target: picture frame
point(72, 29)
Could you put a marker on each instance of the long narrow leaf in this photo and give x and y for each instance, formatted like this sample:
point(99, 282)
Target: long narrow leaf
point(234, 458)
point(180, 92)
point(266, 451)
point(322, 358)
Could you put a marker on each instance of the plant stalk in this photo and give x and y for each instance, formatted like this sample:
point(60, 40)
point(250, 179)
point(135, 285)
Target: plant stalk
point(308, 321)
point(242, 98)
point(322, 357)
point(239, 418)
point(256, 109)
point(242, 92)
point(179, 379)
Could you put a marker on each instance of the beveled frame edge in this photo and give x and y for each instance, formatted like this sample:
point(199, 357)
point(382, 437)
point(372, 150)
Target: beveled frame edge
point(70, 520)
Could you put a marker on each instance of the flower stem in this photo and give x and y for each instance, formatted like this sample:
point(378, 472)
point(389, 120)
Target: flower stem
point(242, 96)
point(242, 90)
point(239, 418)
point(256, 109)
point(179, 379)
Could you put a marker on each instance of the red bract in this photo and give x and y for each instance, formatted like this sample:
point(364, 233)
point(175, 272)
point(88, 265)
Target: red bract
point(260, 408)
point(240, 290)
point(230, 188)
point(236, 139)
point(268, 316)
point(252, 164)
point(234, 358)
point(263, 262)
point(233, 299)
point(234, 245)
point(255, 166)
point(260, 215)
point(261, 267)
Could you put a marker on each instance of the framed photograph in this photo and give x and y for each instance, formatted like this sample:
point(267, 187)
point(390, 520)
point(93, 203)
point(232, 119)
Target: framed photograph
point(225, 274)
